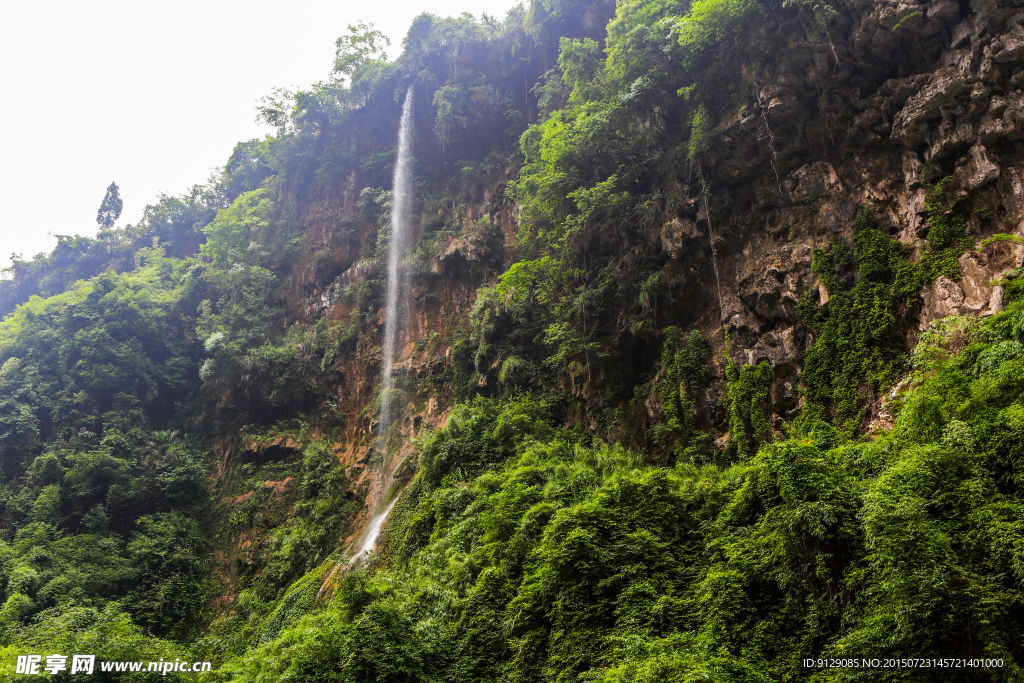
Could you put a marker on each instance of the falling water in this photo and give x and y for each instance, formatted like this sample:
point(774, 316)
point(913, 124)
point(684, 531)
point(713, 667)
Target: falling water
point(401, 217)
point(395, 311)
point(373, 530)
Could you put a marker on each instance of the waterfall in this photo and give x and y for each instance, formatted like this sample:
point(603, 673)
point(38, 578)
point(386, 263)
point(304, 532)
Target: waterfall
point(401, 217)
point(395, 308)
point(373, 530)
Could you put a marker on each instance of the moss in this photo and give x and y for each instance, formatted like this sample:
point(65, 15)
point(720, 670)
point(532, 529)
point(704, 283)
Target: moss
point(409, 526)
point(299, 599)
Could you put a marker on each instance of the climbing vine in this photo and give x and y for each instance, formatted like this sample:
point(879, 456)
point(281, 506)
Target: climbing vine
point(855, 331)
point(748, 397)
point(948, 235)
point(683, 373)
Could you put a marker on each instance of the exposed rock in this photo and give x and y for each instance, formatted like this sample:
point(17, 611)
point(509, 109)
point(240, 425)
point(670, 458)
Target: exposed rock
point(813, 180)
point(905, 15)
point(778, 348)
point(675, 232)
point(995, 302)
point(1012, 49)
point(792, 342)
point(897, 95)
point(943, 11)
point(914, 121)
point(942, 298)
point(978, 170)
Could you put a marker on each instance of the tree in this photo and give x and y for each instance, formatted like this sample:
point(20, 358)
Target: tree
point(110, 209)
point(361, 47)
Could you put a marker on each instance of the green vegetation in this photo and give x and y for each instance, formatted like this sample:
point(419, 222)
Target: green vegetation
point(748, 402)
point(856, 331)
point(110, 208)
point(1001, 237)
point(598, 492)
point(947, 237)
point(682, 376)
point(559, 561)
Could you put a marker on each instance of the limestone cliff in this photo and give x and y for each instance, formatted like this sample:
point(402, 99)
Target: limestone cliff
point(867, 111)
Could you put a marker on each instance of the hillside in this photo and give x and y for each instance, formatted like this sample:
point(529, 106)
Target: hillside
point(671, 341)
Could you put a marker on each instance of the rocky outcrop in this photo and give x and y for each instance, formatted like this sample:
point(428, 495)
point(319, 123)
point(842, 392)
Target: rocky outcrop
point(868, 110)
point(893, 97)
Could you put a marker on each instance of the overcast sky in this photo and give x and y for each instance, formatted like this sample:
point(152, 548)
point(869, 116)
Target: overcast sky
point(152, 95)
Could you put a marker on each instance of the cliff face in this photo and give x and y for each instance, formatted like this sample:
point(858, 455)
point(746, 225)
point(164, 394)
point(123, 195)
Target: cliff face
point(871, 114)
point(911, 112)
point(713, 346)
point(869, 110)
point(856, 178)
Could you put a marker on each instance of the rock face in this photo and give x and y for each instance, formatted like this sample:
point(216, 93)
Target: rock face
point(868, 112)
point(826, 137)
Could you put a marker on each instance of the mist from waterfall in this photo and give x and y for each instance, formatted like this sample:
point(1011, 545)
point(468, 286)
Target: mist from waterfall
point(396, 306)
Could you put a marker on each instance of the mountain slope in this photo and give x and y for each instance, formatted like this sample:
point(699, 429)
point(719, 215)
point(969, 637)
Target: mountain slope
point(712, 364)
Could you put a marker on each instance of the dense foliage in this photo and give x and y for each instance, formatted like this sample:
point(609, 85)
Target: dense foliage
point(858, 343)
point(609, 497)
point(522, 554)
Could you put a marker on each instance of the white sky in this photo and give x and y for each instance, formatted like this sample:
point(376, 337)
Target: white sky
point(152, 95)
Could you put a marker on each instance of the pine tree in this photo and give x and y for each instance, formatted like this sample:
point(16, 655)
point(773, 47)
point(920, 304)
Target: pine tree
point(110, 209)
